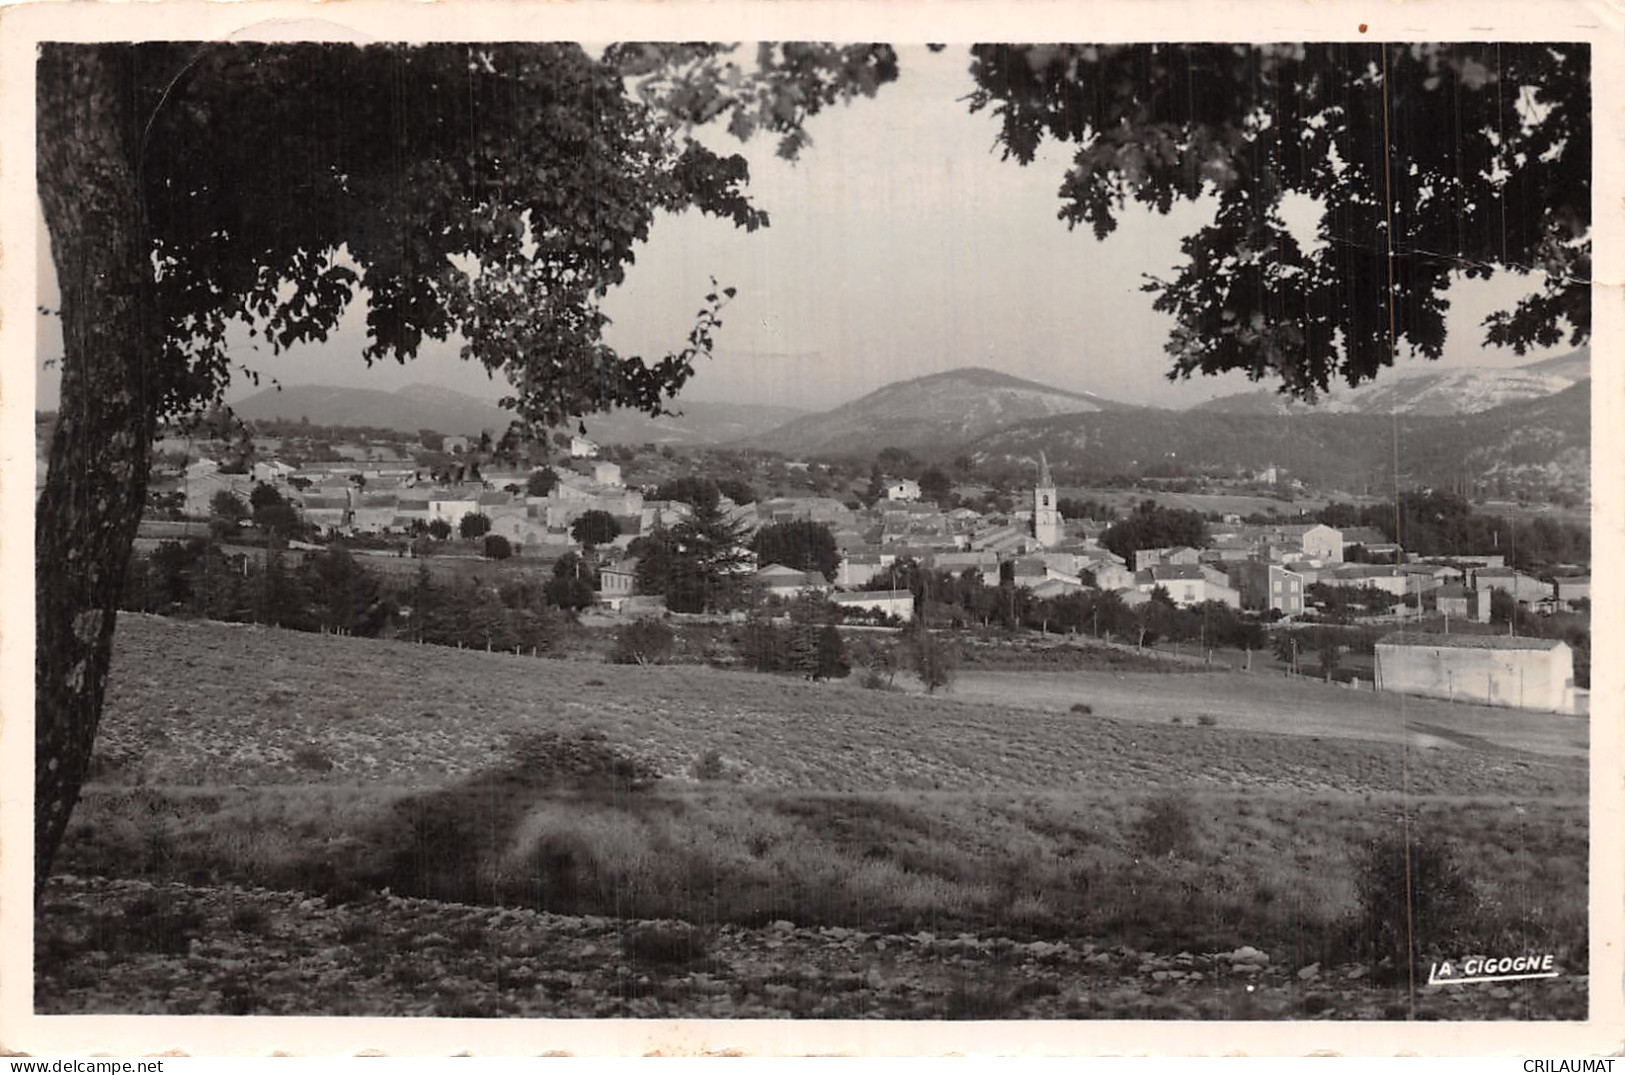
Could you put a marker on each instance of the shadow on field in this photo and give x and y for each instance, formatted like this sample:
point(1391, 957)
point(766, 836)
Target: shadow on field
point(577, 825)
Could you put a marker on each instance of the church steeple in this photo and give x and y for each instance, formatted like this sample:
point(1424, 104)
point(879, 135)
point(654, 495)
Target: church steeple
point(1046, 512)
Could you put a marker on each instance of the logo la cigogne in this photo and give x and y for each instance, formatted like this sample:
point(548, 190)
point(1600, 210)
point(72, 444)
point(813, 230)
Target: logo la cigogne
point(1492, 969)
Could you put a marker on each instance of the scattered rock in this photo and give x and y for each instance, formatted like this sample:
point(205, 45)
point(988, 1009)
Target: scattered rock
point(551, 966)
point(1245, 957)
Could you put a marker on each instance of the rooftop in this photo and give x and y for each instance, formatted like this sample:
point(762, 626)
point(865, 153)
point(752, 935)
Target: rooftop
point(1501, 642)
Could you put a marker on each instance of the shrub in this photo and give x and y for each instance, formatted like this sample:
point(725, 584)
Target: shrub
point(1413, 898)
point(497, 547)
point(585, 760)
point(933, 660)
point(1082, 707)
point(248, 918)
point(1207, 720)
point(1166, 828)
point(155, 922)
point(709, 766)
point(312, 758)
point(877, 681)
point(661, 944)
point(644, 641)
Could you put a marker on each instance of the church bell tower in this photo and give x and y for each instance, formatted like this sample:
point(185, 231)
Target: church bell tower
point(1046, 516)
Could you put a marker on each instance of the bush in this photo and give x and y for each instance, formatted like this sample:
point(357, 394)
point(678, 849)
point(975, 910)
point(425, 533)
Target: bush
point(497, 547)
point(1414, 898)
point(1166, 828)
point(587, 760)
point(660, 944)
point(933, 660)
point(875, 681)
point(1207, 720)
point(644, 641)
point(710, 766)
point(312, 758)
point(1082, 707)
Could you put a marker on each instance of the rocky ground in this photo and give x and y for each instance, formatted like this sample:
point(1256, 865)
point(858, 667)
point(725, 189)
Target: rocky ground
point(107, 946)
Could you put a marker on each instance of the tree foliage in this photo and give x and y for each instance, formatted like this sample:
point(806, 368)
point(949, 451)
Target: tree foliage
point(736, 489)
point(697, 492)
point(1435, 522)
point(1422, 164)
point(643, 641)
point(541, 481)
point(936, 486)
point(798, 543)
point(574, 583)
point(814, 648)
point(1150, 526)
point(935, 660)
point(228, 507)
point(707, 551)
point(595, 527)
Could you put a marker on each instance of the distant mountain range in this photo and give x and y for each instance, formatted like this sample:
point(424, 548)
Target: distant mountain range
point(927, 414)
point(1527, 427)
point(445, 410)
point(1538, 444)
point(1424, 391)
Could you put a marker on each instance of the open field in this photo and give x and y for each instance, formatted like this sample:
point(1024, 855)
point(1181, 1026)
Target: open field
point(1266, 701)
point(360, 816)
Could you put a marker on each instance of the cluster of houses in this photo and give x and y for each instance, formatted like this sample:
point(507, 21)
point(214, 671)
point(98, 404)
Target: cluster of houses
point(1245, 566)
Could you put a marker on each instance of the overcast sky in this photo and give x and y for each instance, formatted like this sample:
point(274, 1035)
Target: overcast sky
point(901, 245)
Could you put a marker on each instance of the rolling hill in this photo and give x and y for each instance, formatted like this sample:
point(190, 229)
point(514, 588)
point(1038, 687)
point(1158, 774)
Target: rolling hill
point(927, 414)
point(1424, 391)
point(445, 410)
point(415, 407)
point(1544, 443)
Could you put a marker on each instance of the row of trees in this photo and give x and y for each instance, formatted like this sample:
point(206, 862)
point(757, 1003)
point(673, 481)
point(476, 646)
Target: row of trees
point(1435, 522)
point(330, 590)
point(809, 645)
point(319, 591)
point(1103, 614)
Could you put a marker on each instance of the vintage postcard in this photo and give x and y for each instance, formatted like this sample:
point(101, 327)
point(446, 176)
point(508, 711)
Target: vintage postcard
point(892, 528)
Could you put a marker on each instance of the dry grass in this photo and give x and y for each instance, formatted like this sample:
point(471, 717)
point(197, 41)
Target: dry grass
point(190, 704)
point(851, 808)
point(1270, 702)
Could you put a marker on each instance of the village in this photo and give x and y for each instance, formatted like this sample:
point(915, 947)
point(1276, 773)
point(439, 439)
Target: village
point(392, 502)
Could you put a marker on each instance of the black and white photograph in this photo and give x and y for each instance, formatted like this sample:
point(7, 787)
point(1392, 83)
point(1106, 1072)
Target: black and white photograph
point(1029, 531)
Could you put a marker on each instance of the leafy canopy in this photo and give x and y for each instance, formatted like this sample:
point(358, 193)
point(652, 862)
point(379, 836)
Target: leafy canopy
point(1421, 164)
point(492, 191)
point(799, 543)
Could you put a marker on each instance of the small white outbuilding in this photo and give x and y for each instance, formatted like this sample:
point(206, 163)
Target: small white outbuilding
point(1528, 673)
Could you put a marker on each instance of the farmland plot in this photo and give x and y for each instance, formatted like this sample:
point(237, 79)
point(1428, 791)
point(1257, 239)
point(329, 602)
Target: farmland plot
point(298, 824)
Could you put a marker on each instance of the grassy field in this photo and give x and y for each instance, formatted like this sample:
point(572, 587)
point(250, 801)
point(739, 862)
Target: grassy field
point(1265, 701)
point(248, 759)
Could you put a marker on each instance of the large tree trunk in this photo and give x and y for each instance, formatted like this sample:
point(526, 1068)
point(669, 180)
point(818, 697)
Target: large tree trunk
point(85, 521)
